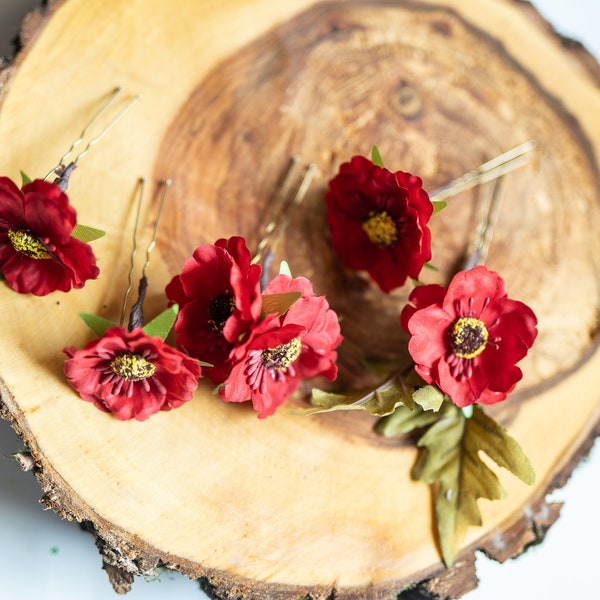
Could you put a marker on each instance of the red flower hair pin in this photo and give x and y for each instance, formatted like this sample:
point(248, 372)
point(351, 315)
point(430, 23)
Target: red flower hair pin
point(130, 371)
point(465, 339)
point(262, 342)
point(42, 247)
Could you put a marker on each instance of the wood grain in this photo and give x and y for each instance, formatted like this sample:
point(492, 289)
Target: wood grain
point(294, 506)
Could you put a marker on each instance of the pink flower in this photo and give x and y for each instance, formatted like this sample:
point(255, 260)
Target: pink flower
point(282, 350)
point(38, 254)
point(131, 375)
point(378, 221)
point(218, 293)
point(467, 339)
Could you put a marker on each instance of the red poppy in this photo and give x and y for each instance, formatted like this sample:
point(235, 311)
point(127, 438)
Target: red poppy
point(218, 293)
point(283, 350)
point(378, 221)
point(131, 375)
point(38, 254)
point(468, 339)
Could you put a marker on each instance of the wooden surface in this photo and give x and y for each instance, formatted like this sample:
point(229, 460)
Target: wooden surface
point(292, 506)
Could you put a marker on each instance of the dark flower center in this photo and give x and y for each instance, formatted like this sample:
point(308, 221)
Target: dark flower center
point(282, 356)
point(28, 244)
point(469, 337)
point(381, 229)
point(132, 367)
point(219, 310)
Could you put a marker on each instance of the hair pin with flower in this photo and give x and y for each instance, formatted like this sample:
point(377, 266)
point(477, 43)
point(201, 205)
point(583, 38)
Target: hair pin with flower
point(465, 340)
point(131, 372)
point(42, 247)
point(261, 340)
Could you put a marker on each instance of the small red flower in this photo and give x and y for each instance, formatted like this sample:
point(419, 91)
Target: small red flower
point(38, 254)
point(283, 350)
point(467, 339)
point(131, 375)
point(218, 293)
point(378, 221)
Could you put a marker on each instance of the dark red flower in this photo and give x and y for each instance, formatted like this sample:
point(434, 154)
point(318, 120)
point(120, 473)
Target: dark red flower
point(378, 221)
point(218, 293)
point(38, 254)
point(468, 340)
point(283, 350)
point(131, 375)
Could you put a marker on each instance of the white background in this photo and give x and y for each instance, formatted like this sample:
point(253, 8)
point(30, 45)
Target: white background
point(44, 557)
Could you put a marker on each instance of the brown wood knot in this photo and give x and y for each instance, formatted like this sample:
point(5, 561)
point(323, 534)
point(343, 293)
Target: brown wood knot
point(409, 101)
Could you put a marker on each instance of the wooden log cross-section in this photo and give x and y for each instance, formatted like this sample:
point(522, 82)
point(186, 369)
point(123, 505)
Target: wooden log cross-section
point(293, 507)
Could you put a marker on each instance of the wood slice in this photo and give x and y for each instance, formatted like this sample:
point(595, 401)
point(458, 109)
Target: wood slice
point(292, 506)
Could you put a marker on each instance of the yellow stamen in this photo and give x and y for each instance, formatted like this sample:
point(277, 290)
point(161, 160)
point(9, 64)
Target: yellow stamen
point(469, 337)
point(282, 356)
point(28, 244)
point(381, 229)
point(132, 367)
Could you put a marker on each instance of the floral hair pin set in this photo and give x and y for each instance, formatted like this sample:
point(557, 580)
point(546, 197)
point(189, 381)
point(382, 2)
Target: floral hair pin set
point(258, 339)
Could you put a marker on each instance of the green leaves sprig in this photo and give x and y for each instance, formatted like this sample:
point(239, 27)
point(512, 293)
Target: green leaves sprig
point(160, 326)
point(450, 461)
point(398, 391)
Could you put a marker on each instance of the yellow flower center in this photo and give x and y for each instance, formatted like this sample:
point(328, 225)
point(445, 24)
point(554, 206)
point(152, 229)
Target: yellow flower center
point(282, 356)
point(381, 229)
point(28, 244)
point(469, 337)
point(132, 367)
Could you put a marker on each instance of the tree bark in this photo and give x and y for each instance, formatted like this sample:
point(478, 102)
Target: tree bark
point(295, 507)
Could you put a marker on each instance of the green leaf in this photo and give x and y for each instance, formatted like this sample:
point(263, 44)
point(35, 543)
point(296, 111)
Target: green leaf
point(403, 420)
point(376, 157)
point(429, 398)
point(284, 268)
point(162, 324)
point(438, 206)
point(97, 324)
point(451, 462)
point(85, 233)
point(25, 179)
point(278, 304)
point(430, 266)
point(379, 402)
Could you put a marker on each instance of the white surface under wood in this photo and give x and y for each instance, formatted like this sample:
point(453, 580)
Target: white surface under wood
point(43, 557)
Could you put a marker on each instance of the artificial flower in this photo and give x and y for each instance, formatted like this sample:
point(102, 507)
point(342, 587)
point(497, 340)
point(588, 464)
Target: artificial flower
point(284, 349)
point(218, 293)
point(38, 253)
point(468, 340)
point(378, 221)
point(131, 374)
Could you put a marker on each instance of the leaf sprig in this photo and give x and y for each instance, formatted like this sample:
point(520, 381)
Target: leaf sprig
point(450, 461)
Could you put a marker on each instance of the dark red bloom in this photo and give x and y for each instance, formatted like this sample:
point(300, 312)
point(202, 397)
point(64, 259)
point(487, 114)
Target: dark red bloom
point(131, 375)
point(218, 293)
point(467, 339)
point(283, 350)
point(38, 254)
point(378, 221)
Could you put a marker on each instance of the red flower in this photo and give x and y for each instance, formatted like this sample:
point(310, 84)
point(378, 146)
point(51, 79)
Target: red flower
point(131, 375)
point(38, 255)
point(468, 339)
point(283, 350)
point(218, 293)
point(378, 221)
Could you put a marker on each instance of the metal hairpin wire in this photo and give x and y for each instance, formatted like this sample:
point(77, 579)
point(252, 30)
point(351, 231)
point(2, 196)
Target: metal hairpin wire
point(62, 169)
point(283, 208)
point(488, 171)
